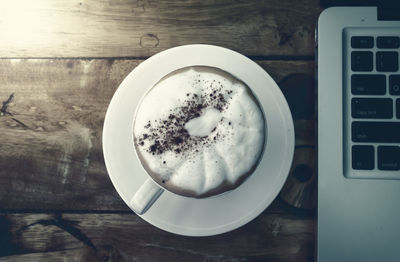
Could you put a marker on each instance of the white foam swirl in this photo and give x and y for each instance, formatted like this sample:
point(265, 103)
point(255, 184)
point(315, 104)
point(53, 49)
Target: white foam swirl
point(230, 133)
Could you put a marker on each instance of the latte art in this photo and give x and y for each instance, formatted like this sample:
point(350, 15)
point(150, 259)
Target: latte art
point(199, 131)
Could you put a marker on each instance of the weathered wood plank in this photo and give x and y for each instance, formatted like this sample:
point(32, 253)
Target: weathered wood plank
point(50, 147)
point(125, 28)
point(126, 237)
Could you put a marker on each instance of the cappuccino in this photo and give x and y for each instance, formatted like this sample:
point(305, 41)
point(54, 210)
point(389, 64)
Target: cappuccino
point(199, 131)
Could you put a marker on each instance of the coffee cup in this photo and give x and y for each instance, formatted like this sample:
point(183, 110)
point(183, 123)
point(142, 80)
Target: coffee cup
point(198, 132)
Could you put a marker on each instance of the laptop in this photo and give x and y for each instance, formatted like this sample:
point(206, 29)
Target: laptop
point(359, 133)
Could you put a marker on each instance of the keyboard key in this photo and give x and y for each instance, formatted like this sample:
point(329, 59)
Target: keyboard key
point(394, 84)
point(387, 42)
point(362, 157)
point(361, 61)
point(387, 61)
point(389, 157)
point(378, 132)
point(398, 108)
point(368, 84)
point(372, 108)
point(362, 42)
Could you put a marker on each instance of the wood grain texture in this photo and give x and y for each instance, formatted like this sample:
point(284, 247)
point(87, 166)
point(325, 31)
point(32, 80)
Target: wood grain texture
point(126, 237)
point(50, 147)
point(140, 28)
point(56, 200)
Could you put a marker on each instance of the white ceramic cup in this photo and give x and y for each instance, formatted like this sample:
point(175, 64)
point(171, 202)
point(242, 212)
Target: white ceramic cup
point(151, 190)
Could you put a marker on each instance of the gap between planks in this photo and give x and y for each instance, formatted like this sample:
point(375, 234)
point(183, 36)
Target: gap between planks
point(255, 58)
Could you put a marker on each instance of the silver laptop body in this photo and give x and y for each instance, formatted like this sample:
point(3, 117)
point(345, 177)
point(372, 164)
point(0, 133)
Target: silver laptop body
point(358, 200)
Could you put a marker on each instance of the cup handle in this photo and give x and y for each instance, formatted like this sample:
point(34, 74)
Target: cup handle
point(145, 196)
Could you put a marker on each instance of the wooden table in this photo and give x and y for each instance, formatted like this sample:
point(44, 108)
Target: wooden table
point(61, 62)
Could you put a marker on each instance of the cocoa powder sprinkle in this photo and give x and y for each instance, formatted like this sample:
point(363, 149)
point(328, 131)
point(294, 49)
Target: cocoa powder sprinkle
point(169, 133)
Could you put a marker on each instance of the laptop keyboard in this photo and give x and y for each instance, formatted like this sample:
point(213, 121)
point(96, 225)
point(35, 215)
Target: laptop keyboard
point(371, 103)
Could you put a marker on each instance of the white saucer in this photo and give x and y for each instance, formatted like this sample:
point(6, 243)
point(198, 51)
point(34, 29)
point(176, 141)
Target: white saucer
point(221, 213)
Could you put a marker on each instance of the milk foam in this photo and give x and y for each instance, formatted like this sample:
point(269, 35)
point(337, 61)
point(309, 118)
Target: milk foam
point(205, 123)
point(199, 128)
